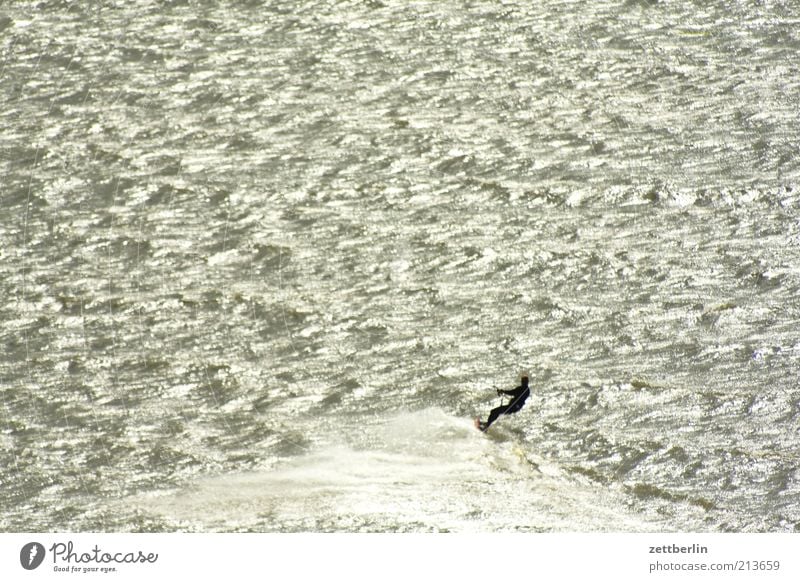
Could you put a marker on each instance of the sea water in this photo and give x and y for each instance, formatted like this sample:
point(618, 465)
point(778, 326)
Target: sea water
point(262, 262)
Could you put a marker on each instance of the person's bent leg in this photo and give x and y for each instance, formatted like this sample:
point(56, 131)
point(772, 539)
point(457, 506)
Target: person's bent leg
point(494, 415)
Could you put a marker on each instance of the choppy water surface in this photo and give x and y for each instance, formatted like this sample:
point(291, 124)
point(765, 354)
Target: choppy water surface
point(261, 262)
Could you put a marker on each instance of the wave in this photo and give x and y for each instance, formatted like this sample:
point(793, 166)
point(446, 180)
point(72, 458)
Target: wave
point(414, 471)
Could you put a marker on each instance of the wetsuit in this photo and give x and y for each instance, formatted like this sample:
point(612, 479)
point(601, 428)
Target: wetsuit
point(519, 396)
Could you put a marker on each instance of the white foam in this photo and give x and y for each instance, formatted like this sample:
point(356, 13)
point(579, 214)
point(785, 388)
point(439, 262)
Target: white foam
point(423, 469)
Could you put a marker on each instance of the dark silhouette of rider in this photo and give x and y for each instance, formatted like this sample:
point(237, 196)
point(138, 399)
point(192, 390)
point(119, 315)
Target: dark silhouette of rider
point(518, 397)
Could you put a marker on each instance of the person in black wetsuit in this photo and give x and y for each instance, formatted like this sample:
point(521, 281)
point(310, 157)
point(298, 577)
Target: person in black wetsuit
point(518, 397)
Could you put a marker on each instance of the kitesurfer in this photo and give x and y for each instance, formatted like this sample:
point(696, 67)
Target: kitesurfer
point(518, 397)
